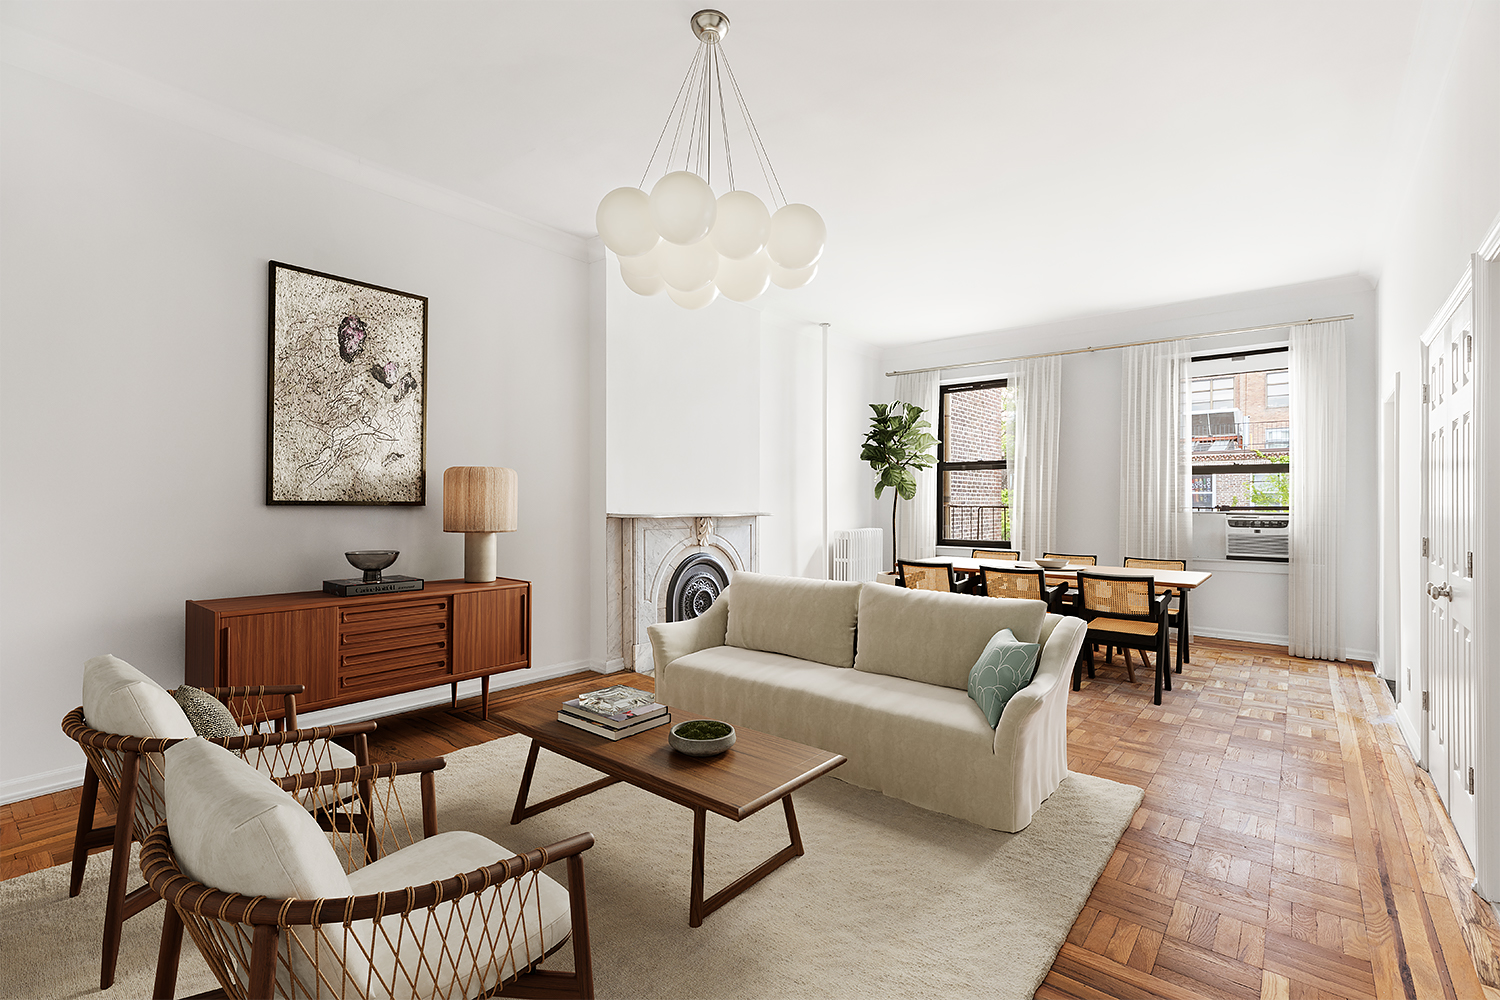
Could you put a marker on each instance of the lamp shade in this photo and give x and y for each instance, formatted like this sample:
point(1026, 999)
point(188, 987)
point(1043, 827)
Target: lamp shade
point(479, 498)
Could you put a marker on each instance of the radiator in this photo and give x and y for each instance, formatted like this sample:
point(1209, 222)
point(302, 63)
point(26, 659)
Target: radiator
point(857, 554)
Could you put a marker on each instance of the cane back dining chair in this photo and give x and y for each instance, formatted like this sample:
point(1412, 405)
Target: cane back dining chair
point(1004, 555)
point(296, 905)
point(124, 725)
point(1177, 617)
point(1074, 559)
point(926, 576)
point(1123, 612)
point(1027, 584)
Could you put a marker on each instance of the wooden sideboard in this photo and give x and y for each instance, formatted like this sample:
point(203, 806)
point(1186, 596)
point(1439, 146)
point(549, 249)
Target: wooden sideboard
point(348, 649)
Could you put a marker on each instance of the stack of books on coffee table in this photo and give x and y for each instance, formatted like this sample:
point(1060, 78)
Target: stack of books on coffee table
point(614, 712)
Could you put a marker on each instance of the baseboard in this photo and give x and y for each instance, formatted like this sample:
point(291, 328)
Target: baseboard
point(31, 785)
point(1265, 638)
point(1412, 737)
point(1268, 639)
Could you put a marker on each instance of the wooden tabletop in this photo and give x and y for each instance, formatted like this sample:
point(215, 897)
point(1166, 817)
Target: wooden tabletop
point(758, 770)
point(1185, 579)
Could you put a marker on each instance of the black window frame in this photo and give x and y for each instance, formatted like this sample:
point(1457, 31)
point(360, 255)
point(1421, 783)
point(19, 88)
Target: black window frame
point(942, 466)
point(1248, 468)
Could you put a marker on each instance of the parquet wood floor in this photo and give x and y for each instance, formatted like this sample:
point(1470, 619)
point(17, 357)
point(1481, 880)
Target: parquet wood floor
point(1287, 846)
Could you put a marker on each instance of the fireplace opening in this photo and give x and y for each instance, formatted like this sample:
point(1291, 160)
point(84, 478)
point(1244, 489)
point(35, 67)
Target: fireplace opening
point(696, 584)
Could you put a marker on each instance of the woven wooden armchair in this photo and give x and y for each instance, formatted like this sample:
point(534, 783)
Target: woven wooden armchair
point(412, 924)
point(1123, 612)
point(130, 768)
point(1177, 617)
point(926, 576)
point(1005, 555)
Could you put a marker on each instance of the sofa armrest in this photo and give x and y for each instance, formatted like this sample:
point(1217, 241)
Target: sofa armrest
point(1033, 730)
point(674, 640)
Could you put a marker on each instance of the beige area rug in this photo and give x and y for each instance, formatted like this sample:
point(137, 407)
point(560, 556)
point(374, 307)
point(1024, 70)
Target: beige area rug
point(889, 900)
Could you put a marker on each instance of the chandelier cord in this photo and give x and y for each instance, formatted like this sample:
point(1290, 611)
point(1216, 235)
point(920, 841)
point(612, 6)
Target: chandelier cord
point(724, 123)
point(668, 123)
point(772, 182)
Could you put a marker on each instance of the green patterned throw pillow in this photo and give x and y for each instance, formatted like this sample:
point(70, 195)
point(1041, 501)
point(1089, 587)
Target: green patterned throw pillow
point(1005, 667)
point(207, 714)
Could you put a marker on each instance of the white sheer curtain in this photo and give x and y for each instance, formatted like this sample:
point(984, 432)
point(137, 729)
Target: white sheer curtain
point(1033, 458)
point(1317, 481)
point(916, 519)
point(1155, 468)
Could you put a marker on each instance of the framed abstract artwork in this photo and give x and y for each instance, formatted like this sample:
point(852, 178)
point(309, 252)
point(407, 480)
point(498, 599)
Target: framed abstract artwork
point(346, 418)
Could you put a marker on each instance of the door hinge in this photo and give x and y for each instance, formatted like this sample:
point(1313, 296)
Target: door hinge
point(1469, 344)
point(1469, 566)
point(1424, 392)
point(1424, 701)
point(1471, 781)
point(1424, 548)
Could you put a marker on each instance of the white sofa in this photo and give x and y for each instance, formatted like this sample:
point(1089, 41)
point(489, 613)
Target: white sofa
point(880, 675)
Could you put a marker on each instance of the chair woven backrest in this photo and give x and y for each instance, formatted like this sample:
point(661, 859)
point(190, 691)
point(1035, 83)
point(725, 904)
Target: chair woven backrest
point(458, 937)
point(1010, 554)
point(1023, 583)
point(1073, 558)
point(1139, 563)
point(1115, 595)
point(259, 714)
point(919, 576)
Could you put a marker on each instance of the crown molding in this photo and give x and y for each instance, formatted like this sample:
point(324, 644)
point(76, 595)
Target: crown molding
point(63, 64)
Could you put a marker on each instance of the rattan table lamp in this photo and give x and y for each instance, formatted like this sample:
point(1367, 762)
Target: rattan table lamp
point(479, 501)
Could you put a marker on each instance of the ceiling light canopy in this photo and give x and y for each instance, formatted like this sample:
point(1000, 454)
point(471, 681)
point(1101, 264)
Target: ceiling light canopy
point(683, 240)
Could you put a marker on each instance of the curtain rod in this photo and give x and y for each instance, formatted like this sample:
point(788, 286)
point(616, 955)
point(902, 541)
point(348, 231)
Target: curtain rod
point(1116, 347)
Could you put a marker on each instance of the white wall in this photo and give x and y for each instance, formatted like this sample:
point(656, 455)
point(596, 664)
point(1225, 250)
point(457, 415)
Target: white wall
point(132, 420)
point(682, 403)
point(721, 410)
point(1453, 201)
point(1247, 602)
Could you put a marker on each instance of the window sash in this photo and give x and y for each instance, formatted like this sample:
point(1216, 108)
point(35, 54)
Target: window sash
point(980, 465)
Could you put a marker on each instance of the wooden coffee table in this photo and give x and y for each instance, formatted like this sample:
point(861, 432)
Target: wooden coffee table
point(758, 770)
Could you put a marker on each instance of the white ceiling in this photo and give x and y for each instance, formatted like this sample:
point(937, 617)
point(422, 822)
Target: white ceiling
point(980, 165)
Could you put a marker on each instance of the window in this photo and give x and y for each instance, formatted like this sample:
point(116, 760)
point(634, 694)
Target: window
point(1240, 445)
point(1277, 389)
point(975, 422)
point(1213, 394)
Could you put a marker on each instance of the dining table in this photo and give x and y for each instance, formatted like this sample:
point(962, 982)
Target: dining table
point(1182, 582)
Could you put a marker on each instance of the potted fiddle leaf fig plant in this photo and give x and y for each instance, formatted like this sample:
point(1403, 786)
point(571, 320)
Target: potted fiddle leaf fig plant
point(898, 443)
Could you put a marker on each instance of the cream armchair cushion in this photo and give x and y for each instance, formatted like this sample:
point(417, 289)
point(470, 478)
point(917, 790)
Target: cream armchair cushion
point(118, 698)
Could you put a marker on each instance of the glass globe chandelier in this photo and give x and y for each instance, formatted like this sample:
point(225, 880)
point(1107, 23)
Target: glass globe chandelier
point(680, 238)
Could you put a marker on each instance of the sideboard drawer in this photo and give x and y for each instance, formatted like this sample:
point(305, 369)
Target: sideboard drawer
point(405, 642)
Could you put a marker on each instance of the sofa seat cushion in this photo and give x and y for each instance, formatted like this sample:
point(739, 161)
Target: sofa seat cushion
point(919, 742)
point(936, 638)
point(536, 918)
point(809, 619)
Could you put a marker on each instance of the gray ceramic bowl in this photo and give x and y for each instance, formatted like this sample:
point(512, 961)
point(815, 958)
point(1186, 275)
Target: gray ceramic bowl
point(1051, 563)
point(371, 558)
point(699, 748)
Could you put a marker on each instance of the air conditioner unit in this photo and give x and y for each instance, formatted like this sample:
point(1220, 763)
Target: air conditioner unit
point(1263, 538)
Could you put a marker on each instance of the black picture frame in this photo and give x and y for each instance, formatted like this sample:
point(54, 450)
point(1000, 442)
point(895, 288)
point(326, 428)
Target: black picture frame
point(346, 402)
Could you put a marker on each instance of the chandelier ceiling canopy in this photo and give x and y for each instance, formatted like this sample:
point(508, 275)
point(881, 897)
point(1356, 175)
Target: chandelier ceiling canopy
point(680, 238)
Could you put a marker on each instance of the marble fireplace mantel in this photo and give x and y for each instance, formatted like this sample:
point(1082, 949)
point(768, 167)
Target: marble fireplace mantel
point(644, 550)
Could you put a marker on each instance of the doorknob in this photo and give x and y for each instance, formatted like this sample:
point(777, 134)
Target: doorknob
point(1435, 592)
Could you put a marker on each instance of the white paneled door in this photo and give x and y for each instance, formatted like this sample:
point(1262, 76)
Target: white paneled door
point(1450, 491)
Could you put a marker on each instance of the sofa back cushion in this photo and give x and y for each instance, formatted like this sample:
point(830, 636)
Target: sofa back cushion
point(936, 638)
point(118, 698)
point(809, 619)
